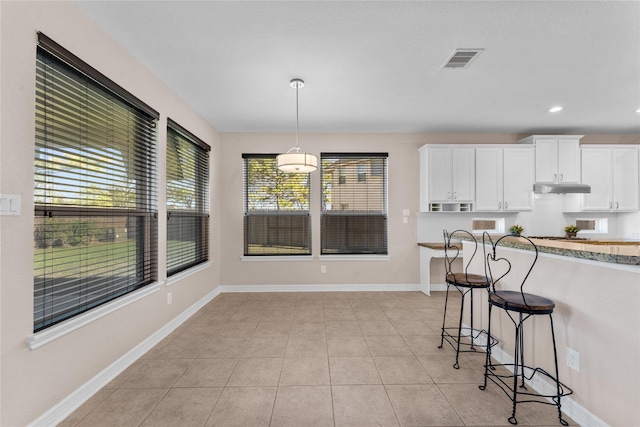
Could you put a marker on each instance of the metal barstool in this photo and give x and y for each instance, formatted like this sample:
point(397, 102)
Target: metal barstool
point(465, 283)
point(519, 306)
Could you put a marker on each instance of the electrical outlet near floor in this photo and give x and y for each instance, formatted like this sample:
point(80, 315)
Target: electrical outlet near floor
point(323, 269)
point(169, 298)
point(573, 359)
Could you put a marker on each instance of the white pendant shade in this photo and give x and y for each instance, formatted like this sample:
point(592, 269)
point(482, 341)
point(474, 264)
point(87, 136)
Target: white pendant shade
point(297, 162)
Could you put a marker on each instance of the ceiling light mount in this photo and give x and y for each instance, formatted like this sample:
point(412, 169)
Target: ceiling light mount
point(296, 160)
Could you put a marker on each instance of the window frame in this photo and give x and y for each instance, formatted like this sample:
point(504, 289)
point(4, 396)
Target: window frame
point(264, 225)
point(181, 259)
point(353, 240)
point(60, 78)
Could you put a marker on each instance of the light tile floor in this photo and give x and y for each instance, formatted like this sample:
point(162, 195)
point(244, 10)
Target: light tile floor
point(307, 359)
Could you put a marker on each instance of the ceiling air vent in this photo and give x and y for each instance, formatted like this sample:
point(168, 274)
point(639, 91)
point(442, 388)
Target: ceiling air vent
point(460, 58)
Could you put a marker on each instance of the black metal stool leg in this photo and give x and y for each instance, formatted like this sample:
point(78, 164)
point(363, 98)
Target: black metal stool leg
point(555, 360)
point(444, 318)
point(487, 363)
point(522, 383)
point(456, 365)
point(517, 364)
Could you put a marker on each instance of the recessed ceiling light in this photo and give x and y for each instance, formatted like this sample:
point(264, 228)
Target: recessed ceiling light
point(555, 109)
point(638, 110)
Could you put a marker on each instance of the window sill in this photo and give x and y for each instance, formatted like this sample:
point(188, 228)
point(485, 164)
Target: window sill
point(277, 258)
point(54, 332)
point(184, 274)
point(354, 257)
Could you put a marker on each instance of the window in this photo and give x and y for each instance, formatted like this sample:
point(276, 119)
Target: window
point(362, 172)
point(491, 225)
point(354, 215)
point(187, 199)
point(342, 178)
point(95, 225)
point(277, 220)
point(593, 225)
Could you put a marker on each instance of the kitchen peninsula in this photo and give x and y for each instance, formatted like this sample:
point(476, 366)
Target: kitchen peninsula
point(596, 289)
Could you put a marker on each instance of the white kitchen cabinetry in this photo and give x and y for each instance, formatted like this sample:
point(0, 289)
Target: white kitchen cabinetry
point(557, 157)
point(446, 178)
point(504, 178)
point(613, 174)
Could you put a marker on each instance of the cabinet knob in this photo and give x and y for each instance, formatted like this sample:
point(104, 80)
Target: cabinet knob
point(455, 194)
point(617, 205)
point(555, 176)
point(561, 177)
point(610, 205)
point(506, 205)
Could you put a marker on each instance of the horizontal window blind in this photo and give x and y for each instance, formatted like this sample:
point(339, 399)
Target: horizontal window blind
point(277, 219)
point(95, 225)
point(354, 203)
point(187, 199)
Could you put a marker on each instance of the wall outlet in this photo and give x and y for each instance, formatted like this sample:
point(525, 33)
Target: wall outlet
point(323, 269)
point(169, 298)
point(573, 359)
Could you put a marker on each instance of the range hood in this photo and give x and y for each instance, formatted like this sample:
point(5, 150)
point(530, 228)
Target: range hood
point(560, 188)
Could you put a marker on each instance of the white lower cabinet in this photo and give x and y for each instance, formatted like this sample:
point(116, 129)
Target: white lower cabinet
point(613, 174)
point(504, 178)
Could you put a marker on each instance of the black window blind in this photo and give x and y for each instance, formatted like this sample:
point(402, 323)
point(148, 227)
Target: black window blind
point(277, 219)
point(95, 224)
point(187, 199)
point(354, 203)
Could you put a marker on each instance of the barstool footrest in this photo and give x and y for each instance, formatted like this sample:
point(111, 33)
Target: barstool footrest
point(500, 381)
point(471, 340)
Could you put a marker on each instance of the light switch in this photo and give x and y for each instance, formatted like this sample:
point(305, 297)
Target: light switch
point(9, 204)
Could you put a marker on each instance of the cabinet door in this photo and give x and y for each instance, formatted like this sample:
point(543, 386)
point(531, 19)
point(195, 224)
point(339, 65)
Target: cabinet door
point(596, 172)
point(440, 186)
point(463, 174)
point(488, 179)
point(568, 160)
point(625, 179)
point(519, 175)
point(546, 160)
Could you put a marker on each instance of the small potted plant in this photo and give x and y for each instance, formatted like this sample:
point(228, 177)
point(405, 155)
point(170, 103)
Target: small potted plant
point(571, 231)
point(516, 229)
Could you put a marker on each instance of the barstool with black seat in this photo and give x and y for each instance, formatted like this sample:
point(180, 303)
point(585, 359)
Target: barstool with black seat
point(519, 306)
point(465, 283)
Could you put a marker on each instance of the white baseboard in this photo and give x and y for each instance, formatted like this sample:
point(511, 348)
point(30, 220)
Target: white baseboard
point(321, 288)
point(72, 402)
point(570, 407)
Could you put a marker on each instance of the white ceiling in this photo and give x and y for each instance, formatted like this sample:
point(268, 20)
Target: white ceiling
point(376, 66)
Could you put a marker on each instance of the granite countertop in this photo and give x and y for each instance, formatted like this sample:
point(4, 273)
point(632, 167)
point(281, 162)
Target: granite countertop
point(625, 252)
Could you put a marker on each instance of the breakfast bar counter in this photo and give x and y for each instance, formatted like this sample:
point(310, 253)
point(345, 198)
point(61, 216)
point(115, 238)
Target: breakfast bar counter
point(621, 252)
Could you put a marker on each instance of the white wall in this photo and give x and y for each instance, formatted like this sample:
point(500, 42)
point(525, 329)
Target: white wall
point(33, 381)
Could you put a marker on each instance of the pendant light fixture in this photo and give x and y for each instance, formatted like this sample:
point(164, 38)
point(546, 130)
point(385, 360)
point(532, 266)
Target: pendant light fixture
point(295, 160)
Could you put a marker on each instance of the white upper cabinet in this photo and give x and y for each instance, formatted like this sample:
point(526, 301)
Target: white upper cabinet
point(446, 177)
point(557, 157)
point(613, 174)
point(489, 179)
point(519, 176)
point(504, 179)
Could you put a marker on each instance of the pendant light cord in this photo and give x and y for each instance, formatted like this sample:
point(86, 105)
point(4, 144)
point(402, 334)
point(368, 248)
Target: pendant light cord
point(297, 120)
